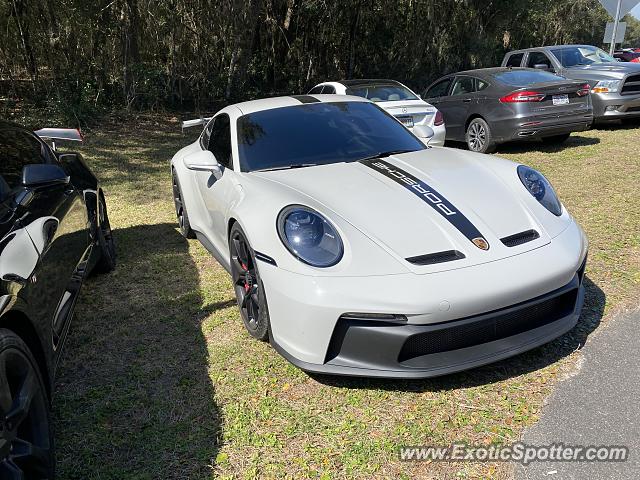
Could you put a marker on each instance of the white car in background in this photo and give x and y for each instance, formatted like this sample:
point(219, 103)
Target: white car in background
point(396, 99)
point(357, 250)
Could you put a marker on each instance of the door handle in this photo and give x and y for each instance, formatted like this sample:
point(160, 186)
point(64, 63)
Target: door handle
point(466, 100)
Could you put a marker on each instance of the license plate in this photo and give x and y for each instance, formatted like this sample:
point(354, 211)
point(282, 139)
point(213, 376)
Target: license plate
point(406, 121)
point(560, 99)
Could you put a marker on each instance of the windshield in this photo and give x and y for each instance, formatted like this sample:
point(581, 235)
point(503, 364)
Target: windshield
point(523, 78)
point(318, 134)
point(585, 55)
point(382, 93)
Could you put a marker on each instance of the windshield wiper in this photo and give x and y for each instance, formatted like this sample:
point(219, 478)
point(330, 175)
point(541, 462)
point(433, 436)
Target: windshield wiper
point(388, 153)
point(287, 167)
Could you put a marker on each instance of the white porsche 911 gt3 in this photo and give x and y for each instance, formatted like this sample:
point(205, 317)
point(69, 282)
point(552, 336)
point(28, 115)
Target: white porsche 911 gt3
point(357, 250)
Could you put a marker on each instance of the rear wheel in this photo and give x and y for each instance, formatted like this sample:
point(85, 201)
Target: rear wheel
point(248, 285)
point(26, 440)
point(479, 137)
point(181, 209)
point(107, 261)
point(556, 139)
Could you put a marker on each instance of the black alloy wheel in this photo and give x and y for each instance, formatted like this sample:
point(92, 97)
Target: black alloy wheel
point(181, 210)
point(248, 286)
point(107, 261)
point(26, 445)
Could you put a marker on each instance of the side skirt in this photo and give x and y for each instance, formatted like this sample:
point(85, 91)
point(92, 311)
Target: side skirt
point(214, 252)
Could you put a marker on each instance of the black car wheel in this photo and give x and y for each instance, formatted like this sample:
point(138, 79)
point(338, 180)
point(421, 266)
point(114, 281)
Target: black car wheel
point(26, 442)
point(107, 261)
point(248, 286)
point(479, 138)
point(181, 209)
point(556, 139)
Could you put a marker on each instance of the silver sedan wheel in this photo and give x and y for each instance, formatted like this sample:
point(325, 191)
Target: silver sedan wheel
point(477, 136)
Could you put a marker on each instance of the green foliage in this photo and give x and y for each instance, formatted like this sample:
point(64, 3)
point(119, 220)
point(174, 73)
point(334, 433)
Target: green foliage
point(190, 54)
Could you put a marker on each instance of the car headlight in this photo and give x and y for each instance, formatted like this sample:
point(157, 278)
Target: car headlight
point(606, 86)
point(309, 236)
point(540, 188)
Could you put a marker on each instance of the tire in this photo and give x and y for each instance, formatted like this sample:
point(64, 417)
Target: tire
point(26, 437)
point(181, 209)
point(478, 136)
point(248, 285)
point(556, 139)
point(106, 243)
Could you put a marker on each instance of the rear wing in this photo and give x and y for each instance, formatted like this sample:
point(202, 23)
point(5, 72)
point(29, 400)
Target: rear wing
point(195, 123)
point(64, 134)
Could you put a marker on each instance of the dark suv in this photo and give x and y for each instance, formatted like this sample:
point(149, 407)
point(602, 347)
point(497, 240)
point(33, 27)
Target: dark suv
point(615, 86)
point(54, 230)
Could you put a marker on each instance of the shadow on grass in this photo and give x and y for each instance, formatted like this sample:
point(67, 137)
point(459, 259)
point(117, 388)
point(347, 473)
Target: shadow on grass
point(528, 146)
point(134, 398)
point(524, 363)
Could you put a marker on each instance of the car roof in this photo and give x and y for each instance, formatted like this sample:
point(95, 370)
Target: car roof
point(253, 106)
point(368, 81)
point(550, 46)
point(485, 72)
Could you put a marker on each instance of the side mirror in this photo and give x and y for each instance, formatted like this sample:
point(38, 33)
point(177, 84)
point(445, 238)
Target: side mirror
point(42, 174)
point(203, 161)
point(423, 132)
point(542, 66)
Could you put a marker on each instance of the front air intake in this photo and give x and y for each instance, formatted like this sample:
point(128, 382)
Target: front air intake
point(520, 238)
point(438, 257)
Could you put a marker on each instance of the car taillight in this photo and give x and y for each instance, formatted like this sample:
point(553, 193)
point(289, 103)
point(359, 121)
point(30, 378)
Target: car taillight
point(526, 96)
point(636, 60)
point(439, 120)
point(584, 90)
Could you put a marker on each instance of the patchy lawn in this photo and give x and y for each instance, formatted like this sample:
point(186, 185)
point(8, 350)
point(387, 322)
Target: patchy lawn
point(160, 379)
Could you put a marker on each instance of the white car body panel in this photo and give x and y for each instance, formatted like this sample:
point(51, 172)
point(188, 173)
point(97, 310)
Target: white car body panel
point(381, 224)
point(423, 113)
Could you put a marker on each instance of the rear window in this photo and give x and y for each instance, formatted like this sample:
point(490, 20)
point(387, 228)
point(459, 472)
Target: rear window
point(522, 78)
point(382, 93)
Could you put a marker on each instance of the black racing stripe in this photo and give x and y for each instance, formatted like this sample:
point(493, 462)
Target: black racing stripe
point(305, 98)
point(430, 196)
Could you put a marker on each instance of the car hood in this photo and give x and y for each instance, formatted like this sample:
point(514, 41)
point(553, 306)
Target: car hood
point(610, 70)
point(409, 224)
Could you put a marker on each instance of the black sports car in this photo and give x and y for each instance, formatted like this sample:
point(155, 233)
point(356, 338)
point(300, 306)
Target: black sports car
point(54, 230)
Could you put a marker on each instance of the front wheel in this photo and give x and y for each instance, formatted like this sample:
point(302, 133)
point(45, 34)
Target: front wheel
point(248, 285)
point(26, 441)
point(106, 244)
point(479, 138)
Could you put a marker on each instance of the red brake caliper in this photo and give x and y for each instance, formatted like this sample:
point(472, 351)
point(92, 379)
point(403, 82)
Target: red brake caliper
point(246, 284)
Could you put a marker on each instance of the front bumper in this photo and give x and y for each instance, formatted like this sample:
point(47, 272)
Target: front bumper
point(394, 350)
point(613, 106)
point(309, 328)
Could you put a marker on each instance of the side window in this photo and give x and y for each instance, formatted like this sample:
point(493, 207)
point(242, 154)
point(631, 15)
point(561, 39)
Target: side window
point(17, 149)
point(329, 89)
point(438, 90)
point(515, 60)
point(463, 85)
point(315, 90)
point(481, 84)
point(220, 141)
point(538, 58)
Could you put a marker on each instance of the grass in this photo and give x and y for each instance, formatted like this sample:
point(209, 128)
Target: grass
point(160, 380)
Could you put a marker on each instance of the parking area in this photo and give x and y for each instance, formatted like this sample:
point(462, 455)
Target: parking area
point(160, 379)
